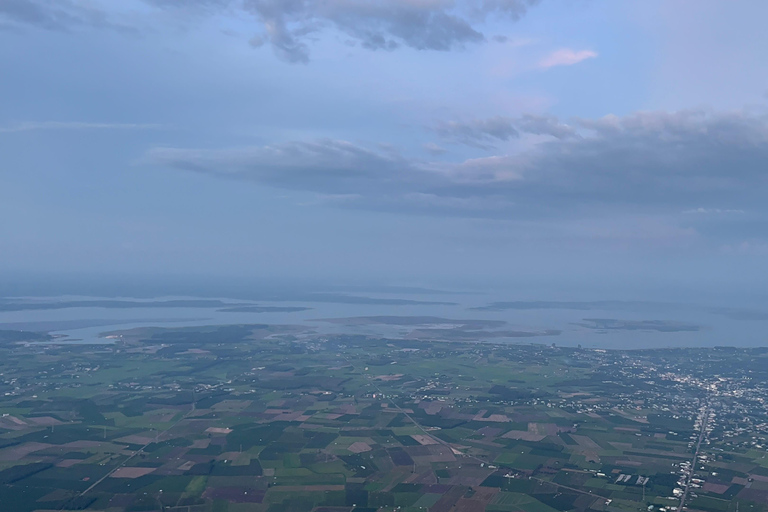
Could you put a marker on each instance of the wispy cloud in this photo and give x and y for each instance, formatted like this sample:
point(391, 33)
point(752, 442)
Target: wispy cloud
point(75, 125)
point(566, 57)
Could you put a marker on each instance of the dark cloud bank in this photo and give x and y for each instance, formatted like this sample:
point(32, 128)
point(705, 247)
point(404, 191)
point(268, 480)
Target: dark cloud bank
point(644, 162)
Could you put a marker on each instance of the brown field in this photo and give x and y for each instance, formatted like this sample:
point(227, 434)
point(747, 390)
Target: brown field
point(387, 378)
point(490, 431)
point(523, 435)
point(494, 418)
point(359, 447)
point(445, 503)
point(485, 494)
point(753, 495)
point(218, 430)
point(328, 416)
point(21, 451)
point(12, 422)
point(632, 463)
point(131, 472)
point(310, 488)
point(547, 429)
point(715, 488)
point(44, 421)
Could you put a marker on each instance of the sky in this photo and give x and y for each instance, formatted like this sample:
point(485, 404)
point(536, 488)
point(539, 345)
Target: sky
point(410, 142)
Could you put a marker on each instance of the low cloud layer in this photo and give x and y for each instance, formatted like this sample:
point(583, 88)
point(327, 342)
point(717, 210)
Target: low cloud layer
point(647, 162)
point(479, 133)
point(325, 166)
point(486, 133)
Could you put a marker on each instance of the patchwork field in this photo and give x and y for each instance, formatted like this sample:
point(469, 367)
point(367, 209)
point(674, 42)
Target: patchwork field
point(233, 419)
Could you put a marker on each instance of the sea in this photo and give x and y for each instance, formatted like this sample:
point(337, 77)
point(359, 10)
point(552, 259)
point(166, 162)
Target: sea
point(701, 325)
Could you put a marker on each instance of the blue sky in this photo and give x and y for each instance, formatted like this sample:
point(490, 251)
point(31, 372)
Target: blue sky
point(407, 141)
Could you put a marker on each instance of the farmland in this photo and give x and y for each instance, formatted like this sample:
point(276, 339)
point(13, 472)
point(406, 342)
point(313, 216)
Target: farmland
point(271, 419)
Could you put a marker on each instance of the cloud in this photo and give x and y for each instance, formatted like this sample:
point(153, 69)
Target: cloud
point(479, 133)
point(326, 166)
point(373, 24)
point(643, 163)
point(434, 149)
point(291, 26)
point(46, 14)
point(545, 125)
point(60, 15)
point(566, 57)
point(483, 133)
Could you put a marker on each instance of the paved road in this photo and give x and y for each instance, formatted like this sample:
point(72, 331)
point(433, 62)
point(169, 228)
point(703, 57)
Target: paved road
point(137, 452)
point(695, 459)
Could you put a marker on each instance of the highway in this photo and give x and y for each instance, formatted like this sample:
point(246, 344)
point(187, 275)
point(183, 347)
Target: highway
point(137, 452)
point(694, 460)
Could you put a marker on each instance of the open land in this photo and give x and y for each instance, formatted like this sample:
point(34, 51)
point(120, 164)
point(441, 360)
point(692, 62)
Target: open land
point(279, 418)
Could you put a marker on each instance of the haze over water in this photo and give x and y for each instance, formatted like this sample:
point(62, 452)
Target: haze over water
point(684, 325)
